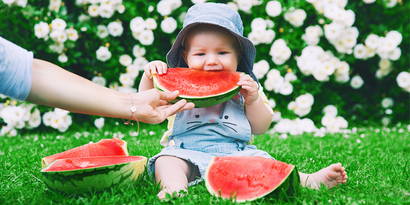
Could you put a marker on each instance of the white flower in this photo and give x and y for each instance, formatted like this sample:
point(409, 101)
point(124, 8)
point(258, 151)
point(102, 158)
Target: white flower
point(146, 37)
point(273, 8)
point(296, 17)
point(394, 54)
point(63, 58)
point(280, 52)
point(41, 30)
point(272, 103)
point(305, 101)
point(140, 62)
point(133, 70)
point(395, 37)
point(168, 25)
point(21, 3)
point(99, 122)
point(391, 3)
point(387, 102)
point(58, 47)
point(198, 1)
point(290, 76)
point(403, 80)
point(127, 79)
point(58, 36)
point(103, 54)
point(261, 68)
point(244, 5)
point(99, 80)
point(369, 1)
point(330, 110)
point(137, 24)
point(258, 25)
point(35, 119)
point(58, 24)
point(93, 10)
point(8, 2)
point(386, 121)
point(13, 116)
point(138, 51)
point(115, 28)
point(125, 60)
point(356, 82)
point(286, 88)
point(360, 51)
point(372, 41)
point(54, 5)
point(333, 30)
point(106, 11)
point(150, 23)
point(72, 34)
point(102, 31)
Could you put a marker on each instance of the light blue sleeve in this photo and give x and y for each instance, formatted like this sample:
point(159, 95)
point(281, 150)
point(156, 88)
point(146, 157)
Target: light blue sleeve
point(15, 70)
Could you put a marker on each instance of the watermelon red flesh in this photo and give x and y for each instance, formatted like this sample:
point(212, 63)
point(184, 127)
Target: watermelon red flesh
point(197, 83)
point(105, 147)
point(71, 164)
point(245, 178)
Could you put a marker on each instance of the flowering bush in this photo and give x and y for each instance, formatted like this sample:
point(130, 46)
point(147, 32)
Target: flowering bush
point(328, 61)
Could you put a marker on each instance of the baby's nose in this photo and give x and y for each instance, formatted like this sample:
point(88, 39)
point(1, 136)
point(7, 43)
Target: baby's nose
point(212, 120)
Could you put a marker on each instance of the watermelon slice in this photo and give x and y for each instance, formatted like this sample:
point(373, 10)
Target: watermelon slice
point(105, 147)
point(203, 88)
point(75, 175)
point(246, 178)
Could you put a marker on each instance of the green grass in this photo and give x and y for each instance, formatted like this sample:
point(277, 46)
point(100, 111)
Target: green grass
point(377, 161)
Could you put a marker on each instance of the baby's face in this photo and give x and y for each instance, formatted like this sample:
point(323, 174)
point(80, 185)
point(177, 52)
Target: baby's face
point(211, 51)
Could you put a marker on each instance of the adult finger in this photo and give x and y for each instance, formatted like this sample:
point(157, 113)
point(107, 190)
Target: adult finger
point(173, 109)
point(168, 95)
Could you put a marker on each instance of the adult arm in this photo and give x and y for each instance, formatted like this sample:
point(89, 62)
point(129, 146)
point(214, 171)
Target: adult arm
point(56, 87)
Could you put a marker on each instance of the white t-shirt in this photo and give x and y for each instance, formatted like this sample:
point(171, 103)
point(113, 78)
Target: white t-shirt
point(15, 70)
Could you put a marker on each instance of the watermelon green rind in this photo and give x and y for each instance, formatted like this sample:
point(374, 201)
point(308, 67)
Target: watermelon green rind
point(119, 145)
point(286, 188)
point(94, 179)
point(202, 101)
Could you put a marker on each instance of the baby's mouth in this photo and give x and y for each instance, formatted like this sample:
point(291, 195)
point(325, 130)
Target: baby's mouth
point(213, 68)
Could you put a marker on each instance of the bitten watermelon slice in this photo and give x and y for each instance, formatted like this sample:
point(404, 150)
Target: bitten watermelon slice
point(203, 88)
point(246, 178)
point(105, 147)
point(74, 175)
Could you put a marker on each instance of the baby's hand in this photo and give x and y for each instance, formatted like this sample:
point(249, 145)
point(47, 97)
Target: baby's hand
point(155, 67)
point(249, 88)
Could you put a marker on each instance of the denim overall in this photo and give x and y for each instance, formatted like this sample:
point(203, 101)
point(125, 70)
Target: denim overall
point(202, 133)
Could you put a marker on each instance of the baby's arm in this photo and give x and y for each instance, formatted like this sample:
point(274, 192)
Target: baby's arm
point(259, 114)
point(257, 108)
point(150, 69)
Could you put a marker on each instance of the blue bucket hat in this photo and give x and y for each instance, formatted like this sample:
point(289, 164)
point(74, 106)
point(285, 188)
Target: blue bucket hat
point(217, 14)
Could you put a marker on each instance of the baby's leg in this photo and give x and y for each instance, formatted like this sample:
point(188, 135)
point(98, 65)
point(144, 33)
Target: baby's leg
point(329, 176)
point(172, 173)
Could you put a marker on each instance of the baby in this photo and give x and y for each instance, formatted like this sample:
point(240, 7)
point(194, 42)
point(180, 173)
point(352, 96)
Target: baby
point(212, 40)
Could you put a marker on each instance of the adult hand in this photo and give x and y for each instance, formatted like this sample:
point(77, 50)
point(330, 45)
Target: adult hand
point(153, 107)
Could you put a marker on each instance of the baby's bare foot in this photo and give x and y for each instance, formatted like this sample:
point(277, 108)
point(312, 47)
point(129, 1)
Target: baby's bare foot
point(173, 192)
point(329, 176)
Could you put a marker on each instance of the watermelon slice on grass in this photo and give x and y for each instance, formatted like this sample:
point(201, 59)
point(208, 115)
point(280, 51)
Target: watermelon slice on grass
point(247, 178)
point(203, 88)
point(92, 167)
point(76, 175)
point(104, 147)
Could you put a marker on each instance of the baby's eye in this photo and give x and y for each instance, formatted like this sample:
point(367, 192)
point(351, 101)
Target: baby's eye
point(199, 54)
point(196, 116)
point(226, 117)
point(223, 52)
